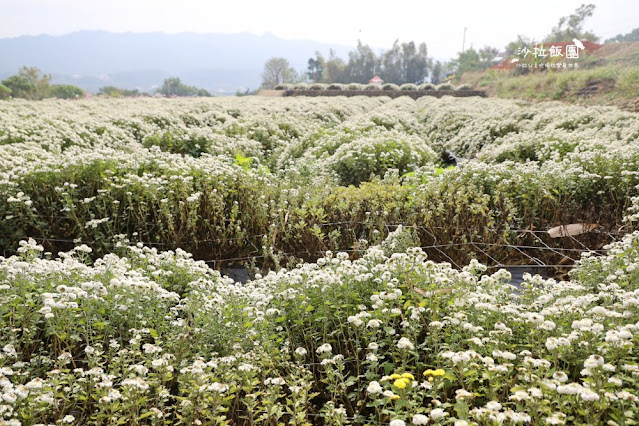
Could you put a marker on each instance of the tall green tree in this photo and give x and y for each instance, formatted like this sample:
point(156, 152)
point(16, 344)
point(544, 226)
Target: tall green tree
point(277, 71)
point(487, 56)
point(436, 75)
point(468, 60)
point(29, 83)
point(39, 81)
point(334, 69)
point(415, 62)
point(315, 69)
point(362, 65)
point(391, 64)
point(572, 26)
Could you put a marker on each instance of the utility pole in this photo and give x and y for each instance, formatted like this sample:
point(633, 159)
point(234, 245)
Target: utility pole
point(464, 42)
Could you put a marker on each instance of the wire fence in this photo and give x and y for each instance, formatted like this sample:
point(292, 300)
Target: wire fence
point(569, 255)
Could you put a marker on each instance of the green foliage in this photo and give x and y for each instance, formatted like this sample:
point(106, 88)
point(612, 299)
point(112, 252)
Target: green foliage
point(66, 92)
point(278, 71)
point(174, 87)
point(316, 68)
point(5, 92)
point(244, 162)
point(618, 83)
point(405, 63)
point(436, 75)
point(334, 70)
point(513, 46)
point(473, 60)
point(116, 92)
point(20, 86)
point(631, 36)
point(572, 26)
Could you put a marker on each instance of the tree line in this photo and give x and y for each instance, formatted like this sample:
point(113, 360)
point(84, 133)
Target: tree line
point(409, 62)
point(30, 83)
point(402, 63)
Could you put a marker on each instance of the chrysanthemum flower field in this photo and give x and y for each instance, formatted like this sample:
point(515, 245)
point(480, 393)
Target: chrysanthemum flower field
point(372, 302)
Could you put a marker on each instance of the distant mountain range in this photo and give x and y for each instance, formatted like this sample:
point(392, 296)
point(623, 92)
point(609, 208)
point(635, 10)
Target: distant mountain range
point(220, 63)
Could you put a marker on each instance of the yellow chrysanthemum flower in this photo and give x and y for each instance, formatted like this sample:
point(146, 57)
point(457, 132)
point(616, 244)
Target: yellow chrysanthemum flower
point(394, 398)
point(437, 373)
point(408, 376)
point(395, 376)
point(401, 383)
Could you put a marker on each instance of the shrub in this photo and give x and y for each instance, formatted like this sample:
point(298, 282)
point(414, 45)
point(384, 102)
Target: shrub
point(65, 92)
point(355, 86)
point(408, 86)
point(283, 86)
point(427, 86)
point(445, 86)
point(372, 87)
point(390, 86)
point(335, 86)
point(464, 86)
point(317, 86)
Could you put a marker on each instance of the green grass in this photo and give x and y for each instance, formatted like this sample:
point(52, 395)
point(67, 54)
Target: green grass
point(615, 82)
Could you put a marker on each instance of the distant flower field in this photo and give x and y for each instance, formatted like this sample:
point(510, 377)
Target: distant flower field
point(110, 314)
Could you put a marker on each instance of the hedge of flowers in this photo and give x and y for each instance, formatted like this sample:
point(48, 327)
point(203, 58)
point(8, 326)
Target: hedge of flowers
point(149, 337)
point(108, 316)
point(269, 178)
point(359, 86)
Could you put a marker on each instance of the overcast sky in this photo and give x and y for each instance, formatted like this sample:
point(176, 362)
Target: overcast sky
point(440, 24)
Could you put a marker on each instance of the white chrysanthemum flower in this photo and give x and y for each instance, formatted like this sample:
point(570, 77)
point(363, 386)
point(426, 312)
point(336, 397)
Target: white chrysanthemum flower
point(420, 419)
point(325, 348)
point(437, 414)
point(404, 343)
point(374, 387)
point(374, 323)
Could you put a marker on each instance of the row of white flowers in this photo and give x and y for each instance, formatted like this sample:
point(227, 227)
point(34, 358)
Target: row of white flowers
point(211, 350)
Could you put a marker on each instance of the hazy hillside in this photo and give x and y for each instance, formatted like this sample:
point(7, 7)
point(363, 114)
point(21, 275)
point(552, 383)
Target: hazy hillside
point(217, 62)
